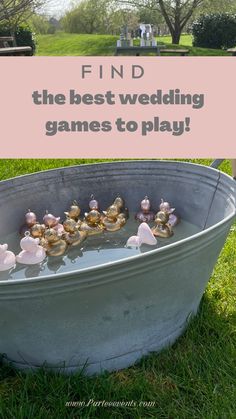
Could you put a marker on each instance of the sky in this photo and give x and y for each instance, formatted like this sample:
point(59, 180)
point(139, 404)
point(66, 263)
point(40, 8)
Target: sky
point(56, 8)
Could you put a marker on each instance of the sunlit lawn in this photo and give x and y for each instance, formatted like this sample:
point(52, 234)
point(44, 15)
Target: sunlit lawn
point(74, 44)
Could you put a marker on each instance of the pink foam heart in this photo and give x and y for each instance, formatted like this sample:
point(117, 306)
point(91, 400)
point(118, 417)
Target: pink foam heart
point(134, 241)
point(145, 234)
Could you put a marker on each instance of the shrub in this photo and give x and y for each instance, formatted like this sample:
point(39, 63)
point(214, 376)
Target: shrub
point(23, 35)
point(216, 30)
point(51, 30)
point(39, 24)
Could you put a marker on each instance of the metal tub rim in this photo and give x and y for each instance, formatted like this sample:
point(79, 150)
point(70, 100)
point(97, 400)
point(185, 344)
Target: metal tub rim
point(162, 250)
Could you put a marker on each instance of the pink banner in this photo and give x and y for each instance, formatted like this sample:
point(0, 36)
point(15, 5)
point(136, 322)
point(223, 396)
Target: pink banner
point(117, 107)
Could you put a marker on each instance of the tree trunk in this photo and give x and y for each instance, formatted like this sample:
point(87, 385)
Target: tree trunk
point(178, 19)
point(173, 25)
point(176, 36)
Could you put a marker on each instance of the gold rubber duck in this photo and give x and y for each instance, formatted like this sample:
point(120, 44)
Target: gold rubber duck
point(162, 228)
point(94, 205)
point(113, 220)
point(120, 203)
point(72, 235)
point(173, 219)
point(37, 231)
point(74, 211)
point(92, 223)
point(55, 245)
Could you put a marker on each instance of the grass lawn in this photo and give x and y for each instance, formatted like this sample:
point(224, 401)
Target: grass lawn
point(196, 378)
point(73, 44)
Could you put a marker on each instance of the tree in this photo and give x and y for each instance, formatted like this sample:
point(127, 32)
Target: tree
point(179, 13)
point(14, 12)
point(154, 17)
point(123, 17)
point(213, 6)
point(176, 13)
point(10, 9)
point(217, 6)
point(41, 24)
point(89, 16)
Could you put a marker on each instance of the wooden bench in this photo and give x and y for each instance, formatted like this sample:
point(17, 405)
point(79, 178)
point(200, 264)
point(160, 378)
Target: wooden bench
point(181, 52)
point(15, 51)
point(4, 41)
point(6, 49)
point(232, 51)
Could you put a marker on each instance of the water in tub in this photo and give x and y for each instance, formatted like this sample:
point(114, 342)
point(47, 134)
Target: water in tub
point(95, 250)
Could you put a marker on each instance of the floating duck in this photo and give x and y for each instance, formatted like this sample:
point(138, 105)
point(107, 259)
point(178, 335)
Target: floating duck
point(7, 258)
point(30, 220)
point(74, 211)
point(92, 223)
point(113, 220)
point(162, 227)
point(173, 219)
point(144, 236)
point(120, 203)
point(51, 221)
point(93, 204)
point(55, 245)
point(37, 232)
point(32, 253)
point(145, 215)
point(72, 236)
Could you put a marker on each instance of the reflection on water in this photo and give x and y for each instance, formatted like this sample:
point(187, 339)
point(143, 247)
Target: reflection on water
point(95, 250)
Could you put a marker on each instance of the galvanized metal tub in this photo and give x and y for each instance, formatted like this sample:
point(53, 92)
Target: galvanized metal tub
point(109, 316)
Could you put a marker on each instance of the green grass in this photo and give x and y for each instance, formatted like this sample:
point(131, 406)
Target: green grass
point(196, 378)
point(62, 44)
point(73, 44)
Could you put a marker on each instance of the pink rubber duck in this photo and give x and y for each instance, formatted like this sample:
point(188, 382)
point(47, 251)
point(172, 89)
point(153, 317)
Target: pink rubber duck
point(30, 220)
point(7, 258)
point(93, 204)
point(51, 221)
point(145, 215)
point(31, 252)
